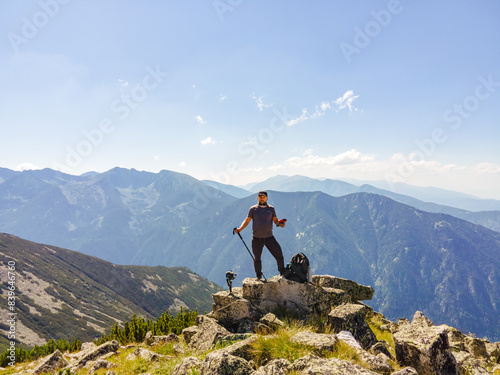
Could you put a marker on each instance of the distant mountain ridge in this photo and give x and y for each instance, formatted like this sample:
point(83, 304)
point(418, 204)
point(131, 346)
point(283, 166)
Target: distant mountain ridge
point(65, 294)
point(111, 215)
point(490, 218)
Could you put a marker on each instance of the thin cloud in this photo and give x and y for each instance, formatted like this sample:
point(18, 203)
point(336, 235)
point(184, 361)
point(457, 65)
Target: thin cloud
point(346, 101)
point(260, 102)
point(222, 98)
point(486, 168)
point(200, 120)
point(341, 103)
point(208, 141)
point(309, 160)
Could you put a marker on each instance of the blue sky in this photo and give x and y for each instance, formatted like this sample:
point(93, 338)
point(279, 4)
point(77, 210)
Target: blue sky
point(239, 91)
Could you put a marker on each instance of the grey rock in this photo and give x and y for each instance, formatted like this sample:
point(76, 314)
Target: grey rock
point(101, 363)
point(378, 363)
point(425, 348)
point(320, 341)
point(381, 347)
point(274, 367)
point(188, 333)
point(299, 299)
point(312, 365)
point(271, 321)
point(151, 340)
point(242, 349)
point(107, 347)
point(349, 339)
point(352, 317)
point(51, 363)
point(186, 366)
point(406, 371)
point(147, 355)
point(220, 363)
point(356, 291)
point(231, 308)
point(207, 333)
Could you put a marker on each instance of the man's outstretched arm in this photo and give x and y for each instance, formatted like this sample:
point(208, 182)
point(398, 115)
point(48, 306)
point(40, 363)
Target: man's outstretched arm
point(243, 225)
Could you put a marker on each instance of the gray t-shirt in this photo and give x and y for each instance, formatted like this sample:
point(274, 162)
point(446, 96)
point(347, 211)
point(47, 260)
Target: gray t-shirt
point(262, 217)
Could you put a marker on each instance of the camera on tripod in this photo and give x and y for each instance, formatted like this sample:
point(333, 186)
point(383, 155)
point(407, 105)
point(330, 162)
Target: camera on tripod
point(230, 276)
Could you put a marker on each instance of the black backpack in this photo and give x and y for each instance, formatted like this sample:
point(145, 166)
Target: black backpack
point(298, 268)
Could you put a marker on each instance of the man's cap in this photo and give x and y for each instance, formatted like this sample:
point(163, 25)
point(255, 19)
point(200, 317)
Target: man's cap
point(263, 193)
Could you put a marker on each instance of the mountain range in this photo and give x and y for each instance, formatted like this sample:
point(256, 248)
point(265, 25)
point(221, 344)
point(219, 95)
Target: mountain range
point(63, 294)
point(484, 212)
point(440, 264)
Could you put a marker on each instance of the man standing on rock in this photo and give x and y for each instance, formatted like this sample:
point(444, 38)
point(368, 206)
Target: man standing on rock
point(263, 216)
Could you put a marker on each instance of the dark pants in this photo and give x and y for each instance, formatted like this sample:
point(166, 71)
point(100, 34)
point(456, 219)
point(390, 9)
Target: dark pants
point(274, 248)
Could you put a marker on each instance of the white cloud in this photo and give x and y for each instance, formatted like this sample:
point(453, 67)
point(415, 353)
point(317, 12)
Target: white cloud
point(260, 102)
point(345, 101)
point(486, 168)
point(156, 157)
point(308, 160)
point(208, 141)
point(222, 98)
point(182, 163)
point(200, 120)
point(301, 118)
point(26, 166)
point(122, 82)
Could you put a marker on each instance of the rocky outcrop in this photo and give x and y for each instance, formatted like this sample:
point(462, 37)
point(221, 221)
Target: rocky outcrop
point(320, 341)
point(425, 347)
point(312, 364)
point(356, 291)
point(207, 332)
point(151, 340)
point(51, 363)
point(244, 307)
point(274, 367)
point(97, 352)
point(187, 366)
point(352, 317)
point(221, 363)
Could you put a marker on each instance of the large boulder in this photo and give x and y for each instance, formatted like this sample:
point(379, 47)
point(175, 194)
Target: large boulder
point(274, 367)
point(352, 317)
point(356, 291)
point(320, 341)
point(187, 366)
point(98, 352)
point(242, 349)
point(151, 340)
point(311, 364)
point(221, 363)
point(231, 308)
point(296, 298)
point(101, 364)
point(51, 363)
point(207, 332)
point(425, 347)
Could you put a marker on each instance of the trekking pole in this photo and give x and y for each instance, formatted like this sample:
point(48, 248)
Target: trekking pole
point(234, 230)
